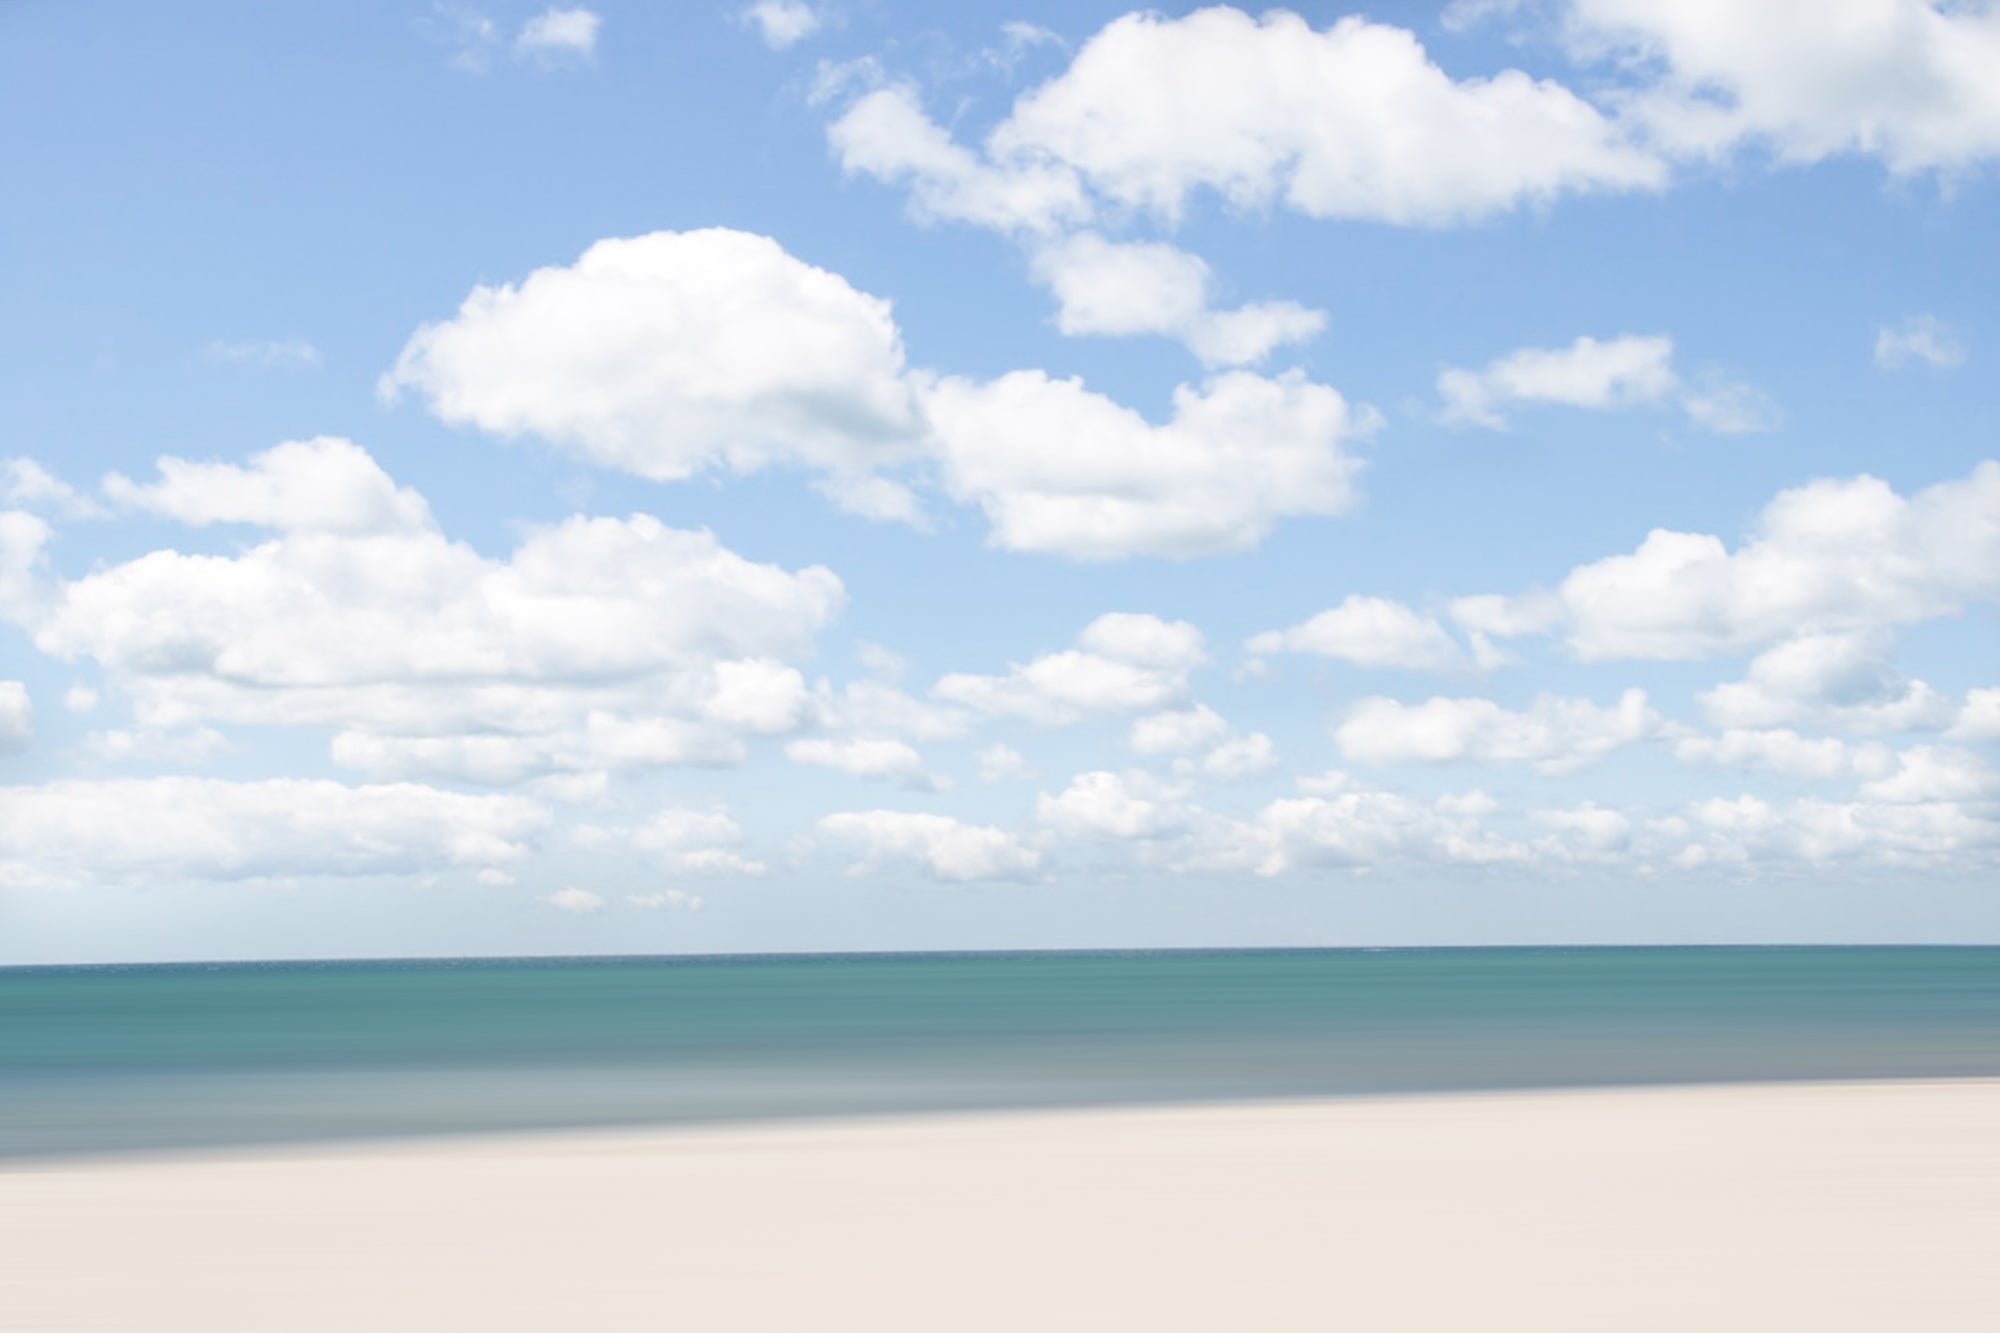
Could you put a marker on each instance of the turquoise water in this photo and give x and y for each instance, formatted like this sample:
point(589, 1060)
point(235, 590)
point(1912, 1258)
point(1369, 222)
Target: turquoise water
point(118, 1058)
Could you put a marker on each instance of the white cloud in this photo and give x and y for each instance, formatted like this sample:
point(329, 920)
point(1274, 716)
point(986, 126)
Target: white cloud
point(577, 902)
point(1113, 805)
point(1621, 372)
point(1907, 81)
point(1118, 289)
point(1919, 338)
point(695, 842)
point(1829, 557)
point(559, 34)
point(782, 23)
point(156, 829)
point(1586, 831)
point(1601, 375)
point(671, 899)
point(1002, 763)
point(872, 707)
point(1748, 832)
point(862, 757)
point(1234, 759)
point(944, 847)
point(1845, 679)
point(1123, 663)
point(80, 699)
point(277, 354)
point(597, 642)
point(318, 485)
point(885, 134)
point(23, 542)
point(1181, 732)
point(1058, 468)
point(1555, 733)
point(675, 352)
point(17, 716)
point(1353, 122)
point(1369, 632)
point(1782, 750)
point(26, 483)
point(1979, 720)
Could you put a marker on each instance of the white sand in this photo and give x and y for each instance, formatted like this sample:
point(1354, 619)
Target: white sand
point(1760, 1208)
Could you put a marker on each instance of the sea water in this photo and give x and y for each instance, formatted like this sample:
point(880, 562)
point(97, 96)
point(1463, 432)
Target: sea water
point(107, 1059)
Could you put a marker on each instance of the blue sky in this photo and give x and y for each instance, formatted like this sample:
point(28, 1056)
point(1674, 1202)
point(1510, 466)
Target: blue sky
point(505, 479)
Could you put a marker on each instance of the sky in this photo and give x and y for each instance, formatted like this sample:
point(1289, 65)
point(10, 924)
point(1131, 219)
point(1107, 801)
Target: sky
point(494, 479)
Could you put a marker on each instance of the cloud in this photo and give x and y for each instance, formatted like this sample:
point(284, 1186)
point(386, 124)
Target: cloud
point(1352, 122)
point(1118, 289)
point(1748, 832)
point(863, 757)
point(559, 35)
point(575, 901)
point(944, 847)
point(1123, 662)
point(1557, 734)
point(318, 485)
point(673, 353)
point(1370, 632)
point(597, 642)
point(1060, 469)
point(26, 483)
point(1600, 375)
point(695, 842)
point(1114, 805)
point(17, 716)
point(278, 354)
point(1203, 744)
point(671, 899)
point(1843, 678)
point(1002, 763)
point(154, 829)
point(1833, 556)
point(1979, 720)
point(1919, 338)
point(1905, 81)
point(782, 23)
point(1782, 750)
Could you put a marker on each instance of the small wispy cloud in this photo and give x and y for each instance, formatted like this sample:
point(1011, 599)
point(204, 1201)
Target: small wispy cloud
point(782, 23)
point(579, 902)
point(276, 354)
point(1923, 338)
point(557, 35)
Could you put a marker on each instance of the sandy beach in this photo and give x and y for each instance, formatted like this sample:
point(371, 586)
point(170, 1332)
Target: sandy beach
point(1842, 1206)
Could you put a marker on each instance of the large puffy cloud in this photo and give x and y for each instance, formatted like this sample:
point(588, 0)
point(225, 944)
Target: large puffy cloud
point(1908, 81)
point(1831, 557)
point(1841, 678)
point(1351, 122)
point(1123, 662)
point(1555, 733)
point(1061, 469)
point(946, 848)
point(199, 828)
point(1373, 632)
point(673, 352)
point(598, 642)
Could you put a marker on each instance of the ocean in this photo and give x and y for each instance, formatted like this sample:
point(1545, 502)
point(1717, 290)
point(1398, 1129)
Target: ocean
point(144, 1058)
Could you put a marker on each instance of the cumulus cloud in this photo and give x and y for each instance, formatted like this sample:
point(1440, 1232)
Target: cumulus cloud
point(1923, 338)
point(575, 901)
point(1269, 111)
point(29, 485)
point(1844, 678)
point(1905, 81)
point(1556, 734)
point(945, 848)
point(1602, 375)
point(1002, 763)
point(1373, 632)
point(1979, 719)
point(1058, 468)
point(597, 642)
point(1118, 289)
point(863, 757)
point(154, 829)
point(692, 841)
point(675, 352)
point(1782, 750)
point(1203, 744)
point(318, 485)
point(1123, 662)
point(559, 34)
point(17, 716)
point(782, 23)
point(1834, 556)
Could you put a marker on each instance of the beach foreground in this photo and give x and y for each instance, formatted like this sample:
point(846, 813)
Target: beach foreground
point(1824, 1206)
